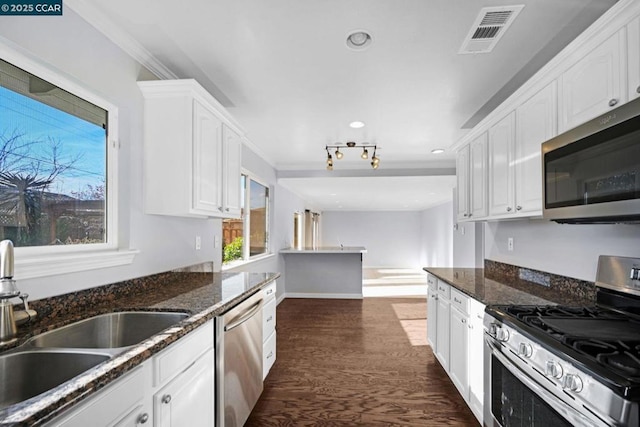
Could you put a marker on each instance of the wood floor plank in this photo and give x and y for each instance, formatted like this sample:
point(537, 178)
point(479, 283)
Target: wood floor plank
point(356, 363)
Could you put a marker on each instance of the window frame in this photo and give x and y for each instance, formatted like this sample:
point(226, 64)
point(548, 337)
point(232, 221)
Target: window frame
point(246, 226)
point(41, 261)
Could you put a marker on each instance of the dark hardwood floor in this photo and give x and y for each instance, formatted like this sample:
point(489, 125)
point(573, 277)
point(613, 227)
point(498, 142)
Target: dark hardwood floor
point(352, 363)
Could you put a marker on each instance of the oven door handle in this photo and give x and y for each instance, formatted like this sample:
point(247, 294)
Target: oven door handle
point(569, 413)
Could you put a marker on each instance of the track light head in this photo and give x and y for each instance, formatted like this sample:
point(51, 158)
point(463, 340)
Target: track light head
point(339, 154)
point(365, 154)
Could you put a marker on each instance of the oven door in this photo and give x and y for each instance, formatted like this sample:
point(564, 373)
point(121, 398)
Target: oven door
point(512, 398)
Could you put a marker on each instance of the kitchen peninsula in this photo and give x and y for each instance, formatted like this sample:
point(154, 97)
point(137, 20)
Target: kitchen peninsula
point(324, 272)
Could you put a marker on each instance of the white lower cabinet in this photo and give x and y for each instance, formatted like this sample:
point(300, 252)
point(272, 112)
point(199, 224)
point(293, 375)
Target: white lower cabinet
point(476, 358)
point(189, 399)
point(442, 325)
point(268, 328)
point(458, 340)
point(174, 388)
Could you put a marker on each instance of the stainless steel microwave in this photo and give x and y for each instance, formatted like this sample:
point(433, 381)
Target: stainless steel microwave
point(591, 174)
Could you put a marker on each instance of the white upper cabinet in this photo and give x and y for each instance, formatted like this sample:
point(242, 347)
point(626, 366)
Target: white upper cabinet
point(462, 178)
point(501, 173)
point(478, 177)
point(536, 122)
point(232, 166)
point(594, 84)
point(192, 152)
point(633, 57)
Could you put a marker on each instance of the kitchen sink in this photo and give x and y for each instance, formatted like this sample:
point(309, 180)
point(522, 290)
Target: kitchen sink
point(112, 330)
point(26, 374)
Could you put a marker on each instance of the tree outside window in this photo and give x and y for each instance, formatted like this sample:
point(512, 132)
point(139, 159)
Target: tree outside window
point(248, 236)
point(52, 163)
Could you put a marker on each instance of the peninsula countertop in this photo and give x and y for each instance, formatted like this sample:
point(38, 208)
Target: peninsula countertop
point(202, 295)
point(327, 250)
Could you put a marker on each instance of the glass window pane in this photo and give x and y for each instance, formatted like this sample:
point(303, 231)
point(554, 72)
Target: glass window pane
point(258, 218)
point(233, 232)
point(53, 163)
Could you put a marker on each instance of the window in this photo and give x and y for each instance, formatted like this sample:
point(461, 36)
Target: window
point(254, 223)
point(53, 163)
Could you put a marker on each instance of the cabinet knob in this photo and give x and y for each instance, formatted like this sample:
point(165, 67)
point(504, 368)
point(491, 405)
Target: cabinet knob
point(463, 320)
point(509, 209)
point(143, 418)
point(465, 215)
point(226, 209)
point(220, 208)
point(166, 398)
point(613, 102)
point(518, 208)
point(470, 215)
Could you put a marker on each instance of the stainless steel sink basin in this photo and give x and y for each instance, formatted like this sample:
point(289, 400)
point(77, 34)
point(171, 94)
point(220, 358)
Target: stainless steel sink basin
point(26, 374)
point(112, 330)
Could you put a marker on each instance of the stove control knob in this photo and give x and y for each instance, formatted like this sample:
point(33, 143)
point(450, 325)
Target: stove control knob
point(525, 350)
point(572, 382)
point(502, 334)
point(553, 369)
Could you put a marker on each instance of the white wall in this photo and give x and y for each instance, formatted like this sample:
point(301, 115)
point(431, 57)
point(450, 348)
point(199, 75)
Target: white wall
point(392, 238)
point(437, 236)
point(567, 250)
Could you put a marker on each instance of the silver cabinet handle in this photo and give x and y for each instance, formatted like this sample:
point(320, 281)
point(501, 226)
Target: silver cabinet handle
point(270, 355)
point(613, 102)
point(143, 418)
point(269, 319)
point(518, 208)
point(166, 398)
point(457, 300)
point(509, 209)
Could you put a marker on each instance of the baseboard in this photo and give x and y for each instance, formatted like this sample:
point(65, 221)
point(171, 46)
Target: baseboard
point(327, 296)
point(280, 299)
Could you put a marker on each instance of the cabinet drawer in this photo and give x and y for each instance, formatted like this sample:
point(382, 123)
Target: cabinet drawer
point(182, 354)
point(268, 354)
point(444, 289)
point(269, 291)
point(120, 401)
point(268, 319)
point(460, 301)
point(432, 281)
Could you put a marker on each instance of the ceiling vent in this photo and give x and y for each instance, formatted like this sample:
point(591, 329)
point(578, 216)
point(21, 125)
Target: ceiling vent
point(488, 28)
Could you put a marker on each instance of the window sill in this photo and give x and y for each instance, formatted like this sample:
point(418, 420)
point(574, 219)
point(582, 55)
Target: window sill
point(50, 265)
point(237, 264)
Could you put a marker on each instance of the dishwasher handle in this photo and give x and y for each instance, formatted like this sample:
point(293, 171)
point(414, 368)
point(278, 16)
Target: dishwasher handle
point(246, 315)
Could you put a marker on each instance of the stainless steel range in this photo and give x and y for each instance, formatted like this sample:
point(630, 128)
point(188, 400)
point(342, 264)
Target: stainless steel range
point(568, 366)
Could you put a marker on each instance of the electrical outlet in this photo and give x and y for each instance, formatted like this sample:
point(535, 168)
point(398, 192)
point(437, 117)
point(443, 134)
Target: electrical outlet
point(198, 243)
point(510, 244)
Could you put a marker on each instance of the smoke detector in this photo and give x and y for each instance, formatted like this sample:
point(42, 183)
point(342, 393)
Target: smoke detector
point(488, 28)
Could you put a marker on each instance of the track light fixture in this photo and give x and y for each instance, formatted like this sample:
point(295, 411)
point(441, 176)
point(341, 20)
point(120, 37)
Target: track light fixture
point(375, 160)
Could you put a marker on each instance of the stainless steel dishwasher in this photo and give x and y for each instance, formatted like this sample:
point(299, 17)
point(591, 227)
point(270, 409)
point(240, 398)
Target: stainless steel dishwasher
point(239, 361)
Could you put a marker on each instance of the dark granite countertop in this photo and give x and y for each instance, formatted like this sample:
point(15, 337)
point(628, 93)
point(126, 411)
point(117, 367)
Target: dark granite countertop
point(204, 295)
point(492, 287)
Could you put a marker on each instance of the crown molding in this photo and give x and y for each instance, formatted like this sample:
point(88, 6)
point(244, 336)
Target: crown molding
point(120, 38)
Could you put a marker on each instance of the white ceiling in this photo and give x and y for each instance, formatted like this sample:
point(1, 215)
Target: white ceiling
point(282, 69)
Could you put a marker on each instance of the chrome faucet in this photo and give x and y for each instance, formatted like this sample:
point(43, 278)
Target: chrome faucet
point(8, 318)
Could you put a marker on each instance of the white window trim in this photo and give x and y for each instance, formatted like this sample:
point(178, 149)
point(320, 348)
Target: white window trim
point(45, 261)
point(246, 222)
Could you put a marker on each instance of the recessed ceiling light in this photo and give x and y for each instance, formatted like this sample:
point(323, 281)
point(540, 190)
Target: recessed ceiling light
point(359, 40)
point(437, 151)
point(356, 125)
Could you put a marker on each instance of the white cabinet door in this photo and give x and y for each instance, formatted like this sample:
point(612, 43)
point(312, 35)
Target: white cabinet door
point(232, 167)
point(462, 177)
point(432, 312)
point(458, 353)
point(501, 142)
point(189, 399)
point(207, 151)
point(633, 57)
point(536, 122)
point(476, 359)
point(594, 84)
point(442, 332)
point(478, 177)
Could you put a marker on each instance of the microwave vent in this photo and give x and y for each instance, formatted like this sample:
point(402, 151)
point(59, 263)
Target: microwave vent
point(488, 28)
